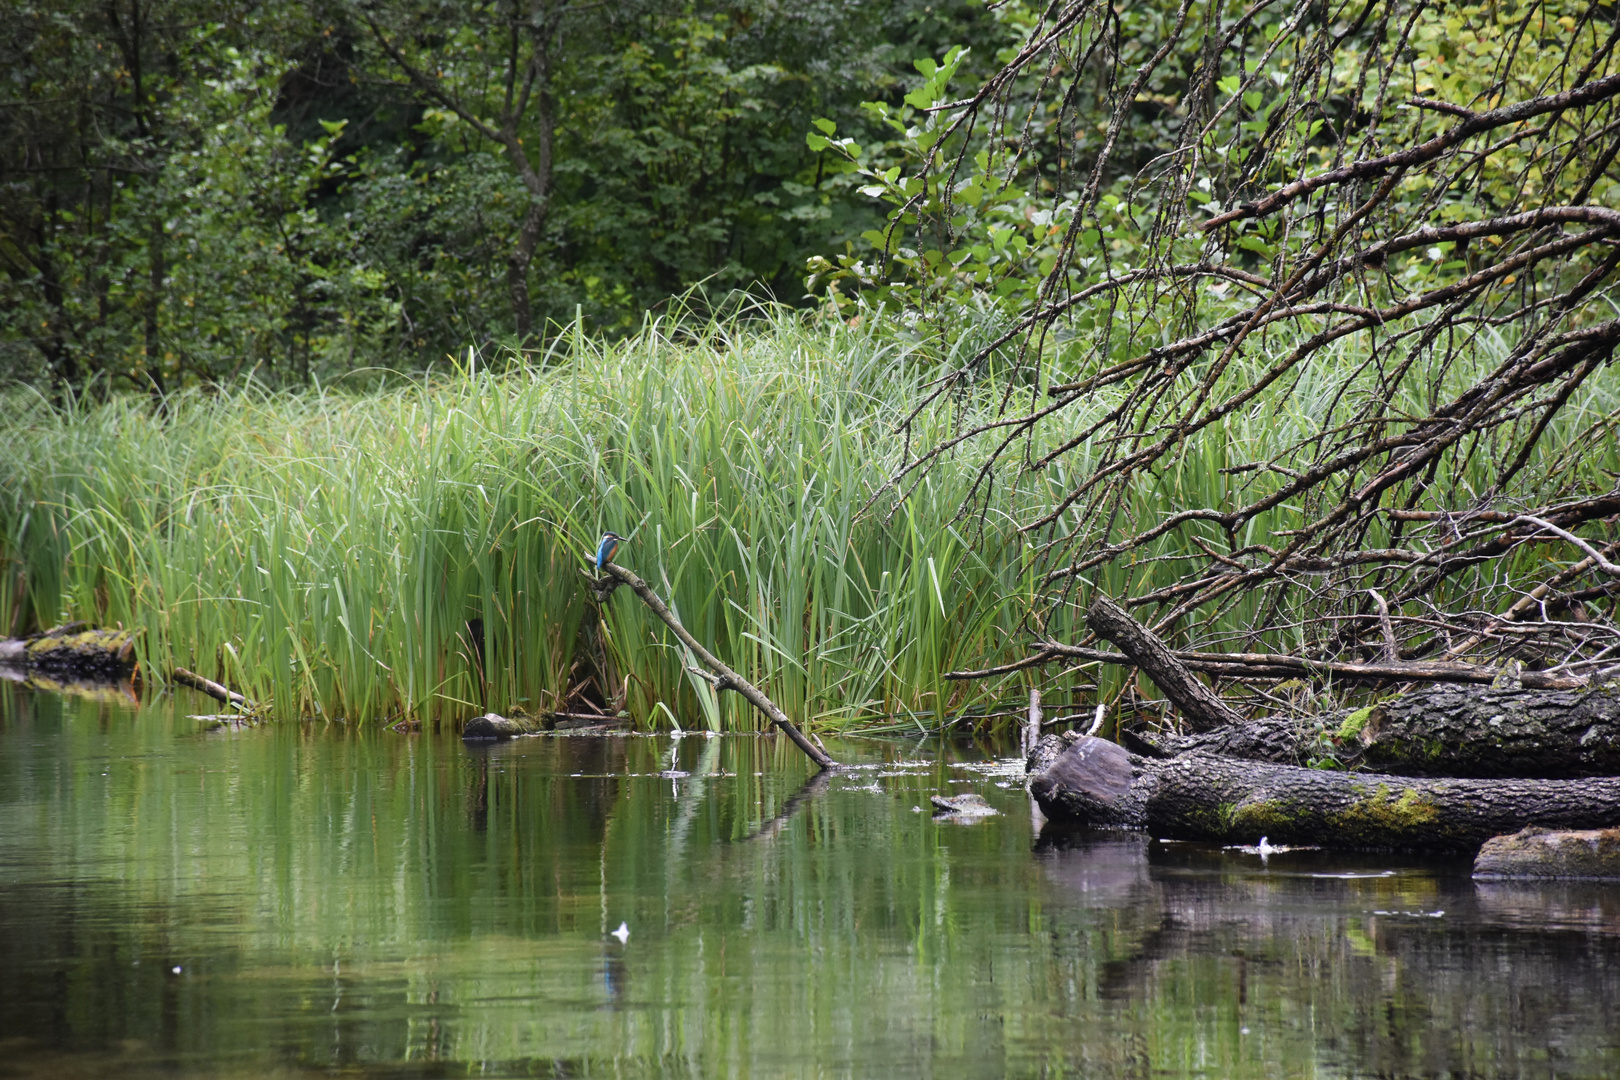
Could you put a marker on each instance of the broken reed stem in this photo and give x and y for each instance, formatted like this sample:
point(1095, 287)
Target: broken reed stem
point(719, 675)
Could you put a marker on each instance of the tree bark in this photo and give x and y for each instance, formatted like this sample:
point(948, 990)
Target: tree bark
point(1202, 707)
point(1438, 731)
point(1200, 796)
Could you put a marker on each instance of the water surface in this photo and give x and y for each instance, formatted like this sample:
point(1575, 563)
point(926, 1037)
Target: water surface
point(297, 901)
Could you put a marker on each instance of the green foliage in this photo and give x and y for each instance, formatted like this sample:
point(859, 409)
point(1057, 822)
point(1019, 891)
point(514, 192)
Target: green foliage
point(1005, 210)
point(341, 554)
point(199, 192)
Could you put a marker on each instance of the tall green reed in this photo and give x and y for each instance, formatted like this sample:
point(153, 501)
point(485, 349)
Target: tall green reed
point(418, 551)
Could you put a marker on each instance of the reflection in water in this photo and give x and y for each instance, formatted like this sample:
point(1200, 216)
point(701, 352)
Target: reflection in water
point(299, 901)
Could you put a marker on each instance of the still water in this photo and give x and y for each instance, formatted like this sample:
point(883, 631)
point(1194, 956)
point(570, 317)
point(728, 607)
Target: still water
point(293, 901)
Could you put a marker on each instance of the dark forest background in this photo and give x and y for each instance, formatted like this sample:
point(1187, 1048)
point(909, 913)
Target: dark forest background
point(190, 192)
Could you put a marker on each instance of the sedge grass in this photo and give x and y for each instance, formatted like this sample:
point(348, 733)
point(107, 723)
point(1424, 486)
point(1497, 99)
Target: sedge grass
point(333, 554)
point(416, 552)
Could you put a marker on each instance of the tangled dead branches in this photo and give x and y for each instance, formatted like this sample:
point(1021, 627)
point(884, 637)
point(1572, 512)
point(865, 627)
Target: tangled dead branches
point(1328, 373)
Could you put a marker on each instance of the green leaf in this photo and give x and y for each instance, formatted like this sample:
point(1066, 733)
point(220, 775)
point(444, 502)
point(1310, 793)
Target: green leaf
point(1255, 244)
point(827, 126)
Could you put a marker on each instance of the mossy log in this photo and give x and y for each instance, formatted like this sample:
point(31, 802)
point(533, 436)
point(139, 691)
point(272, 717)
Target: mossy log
point(1461, 731)
point(73, 653)
point(1201, 796)
point(496, 726)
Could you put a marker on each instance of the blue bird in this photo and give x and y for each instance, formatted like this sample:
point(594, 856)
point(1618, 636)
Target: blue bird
point(606, 549)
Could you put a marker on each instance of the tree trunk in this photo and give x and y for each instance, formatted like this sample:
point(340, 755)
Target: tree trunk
point(542, 25)
point(1439, 731)
point(1200, 796)
point(536, 175)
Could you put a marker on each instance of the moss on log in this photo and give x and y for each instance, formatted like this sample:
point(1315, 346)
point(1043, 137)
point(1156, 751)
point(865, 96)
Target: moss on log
point(73, 653)
point(1592, 854)
point(1200, 796)
point(495, 726)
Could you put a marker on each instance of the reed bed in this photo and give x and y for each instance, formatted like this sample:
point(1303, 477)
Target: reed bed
point(353, 555)
point(415, 552)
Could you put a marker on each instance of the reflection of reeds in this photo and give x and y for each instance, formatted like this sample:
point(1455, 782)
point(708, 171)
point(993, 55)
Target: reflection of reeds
point(348, 554)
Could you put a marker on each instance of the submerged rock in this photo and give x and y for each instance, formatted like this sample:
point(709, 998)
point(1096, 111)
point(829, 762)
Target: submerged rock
point(1546, 853)
point(964, 806)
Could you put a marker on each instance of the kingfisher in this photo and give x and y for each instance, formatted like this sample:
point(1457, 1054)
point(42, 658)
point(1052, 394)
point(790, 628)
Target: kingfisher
point(606, 549)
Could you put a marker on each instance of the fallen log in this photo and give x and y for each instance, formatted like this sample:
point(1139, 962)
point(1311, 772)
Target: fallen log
point(74, 652)
point(1435, 731)
point(496, 726)
point(1200, 796)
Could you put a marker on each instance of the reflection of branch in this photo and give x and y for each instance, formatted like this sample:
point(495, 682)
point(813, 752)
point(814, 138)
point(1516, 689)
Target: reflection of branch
point(806, 794)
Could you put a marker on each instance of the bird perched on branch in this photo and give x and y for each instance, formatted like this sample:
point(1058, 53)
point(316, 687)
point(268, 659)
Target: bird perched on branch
point(607, 548)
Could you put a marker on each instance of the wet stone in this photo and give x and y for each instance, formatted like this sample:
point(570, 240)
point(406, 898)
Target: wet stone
point(968, 805)
point(1547, 853)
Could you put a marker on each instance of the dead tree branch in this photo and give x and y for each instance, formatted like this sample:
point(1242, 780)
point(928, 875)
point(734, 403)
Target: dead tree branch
point(723, 677)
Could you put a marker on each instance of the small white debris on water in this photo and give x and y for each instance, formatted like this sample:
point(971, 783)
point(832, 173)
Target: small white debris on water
point(1010, 768)
point(1265, 848)
point(177, 969)
point(1415, 914)
point(622, 933)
